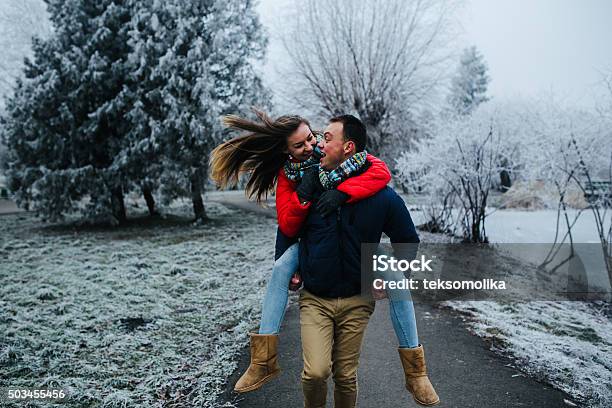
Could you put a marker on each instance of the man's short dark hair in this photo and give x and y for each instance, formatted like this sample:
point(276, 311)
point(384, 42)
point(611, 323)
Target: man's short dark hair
point(354, 130)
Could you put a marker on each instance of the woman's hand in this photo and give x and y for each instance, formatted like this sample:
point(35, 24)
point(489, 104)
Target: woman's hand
point(307, 187)
point(330, 201)
point(296, 282)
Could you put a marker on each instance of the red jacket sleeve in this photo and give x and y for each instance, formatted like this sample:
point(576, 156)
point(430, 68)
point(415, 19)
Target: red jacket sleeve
point(370, 182)
point(289, 211)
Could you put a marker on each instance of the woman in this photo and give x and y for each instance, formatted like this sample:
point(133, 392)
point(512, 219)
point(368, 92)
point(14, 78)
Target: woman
point(282, 152)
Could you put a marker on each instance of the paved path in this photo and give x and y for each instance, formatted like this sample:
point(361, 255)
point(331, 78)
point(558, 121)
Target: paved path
point(463, 370)
point(8, 207)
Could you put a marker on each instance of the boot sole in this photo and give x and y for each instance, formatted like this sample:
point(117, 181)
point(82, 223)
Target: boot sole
point(258, 384)
point(425, 404)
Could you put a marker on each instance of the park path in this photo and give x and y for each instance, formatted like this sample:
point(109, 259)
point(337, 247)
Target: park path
point(464, 371)
point(8, 207)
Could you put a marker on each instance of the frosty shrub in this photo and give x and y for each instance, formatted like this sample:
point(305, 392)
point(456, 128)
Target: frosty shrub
point(570, 149)
point(459, 164)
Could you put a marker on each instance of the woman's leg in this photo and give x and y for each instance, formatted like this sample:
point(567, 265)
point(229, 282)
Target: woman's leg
point(264, 357)
point(401, 311)
point(275, 300)
point(412, 354)
point(404, 322)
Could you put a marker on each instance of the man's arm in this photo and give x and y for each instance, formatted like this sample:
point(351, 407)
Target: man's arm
point(368, 183)
point(400, 229)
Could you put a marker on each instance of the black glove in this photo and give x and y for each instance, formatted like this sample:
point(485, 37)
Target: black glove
point(330, 201)
point(317, 153)
point(309, 184)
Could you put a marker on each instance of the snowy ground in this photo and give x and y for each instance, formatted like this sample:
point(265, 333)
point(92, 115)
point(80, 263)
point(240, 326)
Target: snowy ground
point(153, 314)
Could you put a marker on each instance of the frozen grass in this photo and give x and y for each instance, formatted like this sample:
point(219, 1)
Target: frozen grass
point(152, 315)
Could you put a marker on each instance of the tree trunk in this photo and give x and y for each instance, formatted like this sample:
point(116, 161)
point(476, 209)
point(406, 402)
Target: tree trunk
point(148, 196)
point(196, 196)
point(118, 206)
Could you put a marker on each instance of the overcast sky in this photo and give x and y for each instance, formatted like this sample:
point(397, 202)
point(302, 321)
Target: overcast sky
point(531, 46)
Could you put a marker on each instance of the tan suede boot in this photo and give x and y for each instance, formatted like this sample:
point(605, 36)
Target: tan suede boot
point(417, 382)
point(264, 364)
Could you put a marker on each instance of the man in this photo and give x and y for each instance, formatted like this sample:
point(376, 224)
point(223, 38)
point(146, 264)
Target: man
point(333, 314)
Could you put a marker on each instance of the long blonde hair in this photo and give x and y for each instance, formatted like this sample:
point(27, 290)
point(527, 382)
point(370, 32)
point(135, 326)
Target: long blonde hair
point(261, 151)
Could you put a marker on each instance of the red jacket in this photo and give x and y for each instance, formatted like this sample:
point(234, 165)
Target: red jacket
point(291, 213)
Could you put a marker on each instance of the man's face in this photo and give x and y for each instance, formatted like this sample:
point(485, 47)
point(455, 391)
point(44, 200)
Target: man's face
point(335, 148)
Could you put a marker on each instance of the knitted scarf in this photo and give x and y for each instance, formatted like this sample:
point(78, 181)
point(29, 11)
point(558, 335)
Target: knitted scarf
point(295, 170)
point(331, 179)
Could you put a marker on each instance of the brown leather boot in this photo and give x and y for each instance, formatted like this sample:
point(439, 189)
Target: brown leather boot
point(417, 382)
point(344, 400)
point(264, 364)
point(315, 393)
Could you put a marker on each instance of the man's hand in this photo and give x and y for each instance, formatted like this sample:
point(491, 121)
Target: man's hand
point(296, 282)
point(330, 201)
point(307, 187)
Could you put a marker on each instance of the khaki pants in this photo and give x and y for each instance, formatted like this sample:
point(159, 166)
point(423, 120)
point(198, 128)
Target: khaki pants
point(332, 333)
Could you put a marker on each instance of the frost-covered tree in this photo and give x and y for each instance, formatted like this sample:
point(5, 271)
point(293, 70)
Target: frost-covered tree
point(205, 71)
point(380, 60)
point(469, 85)
point(126, 95)
point(572, 150)
point(63, 125)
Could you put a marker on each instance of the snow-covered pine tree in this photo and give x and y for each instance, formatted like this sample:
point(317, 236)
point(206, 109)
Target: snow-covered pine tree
point(207, 71)
point(469, 86)
point(63, 124)
point(149, 40)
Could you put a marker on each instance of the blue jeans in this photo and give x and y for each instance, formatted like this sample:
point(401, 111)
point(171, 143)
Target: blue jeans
point(401, 308)
point(277, 292)
point(403, 319)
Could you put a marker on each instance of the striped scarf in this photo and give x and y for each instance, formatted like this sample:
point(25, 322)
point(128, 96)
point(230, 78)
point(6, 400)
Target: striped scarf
point(295, 170)
point(331, 179)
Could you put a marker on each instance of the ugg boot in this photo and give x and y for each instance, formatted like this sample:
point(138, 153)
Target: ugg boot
point(264, 364)
point(417, 382)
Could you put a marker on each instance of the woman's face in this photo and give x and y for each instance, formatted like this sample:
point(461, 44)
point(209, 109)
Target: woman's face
point(300, 144)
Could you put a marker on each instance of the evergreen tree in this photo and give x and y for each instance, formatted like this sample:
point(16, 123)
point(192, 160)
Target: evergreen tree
point(126, 95)
point(63, 125)
point(205, 72)
point(469, 86)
